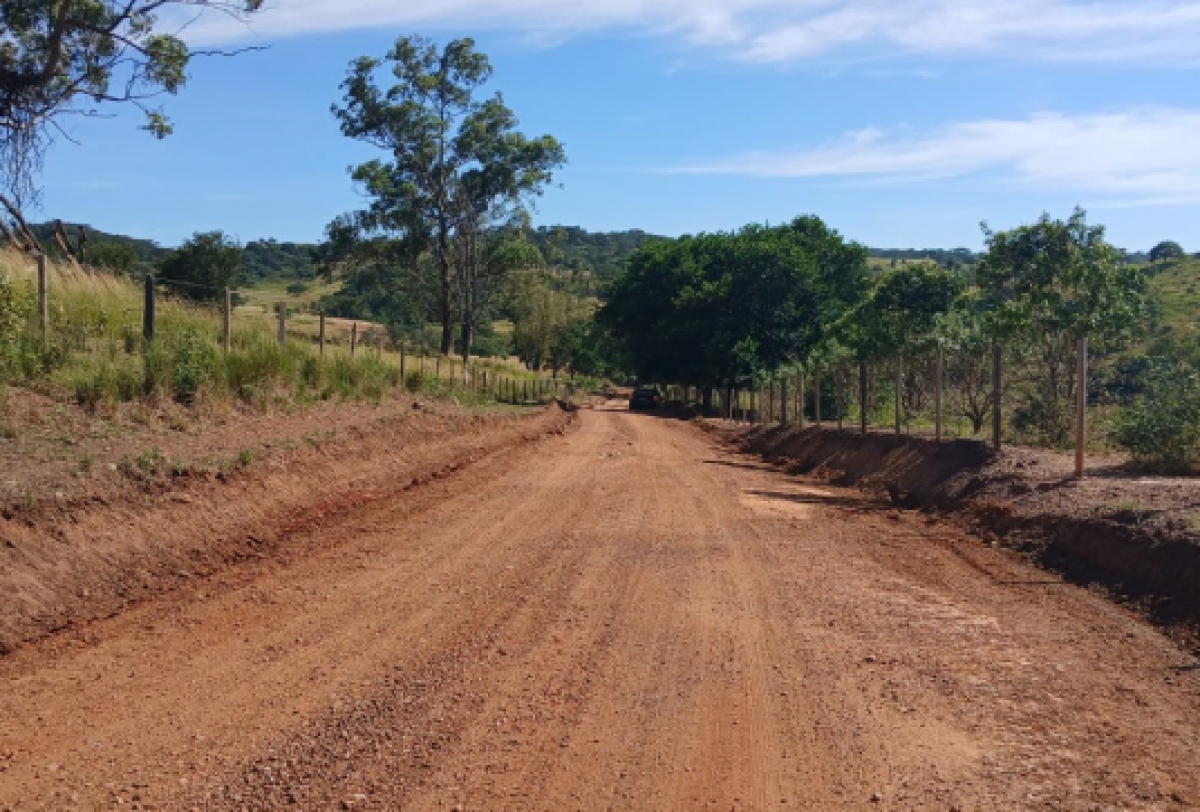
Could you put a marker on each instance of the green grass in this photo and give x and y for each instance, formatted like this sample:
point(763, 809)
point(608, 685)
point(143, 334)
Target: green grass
point(95, 354)
point(1174, 294)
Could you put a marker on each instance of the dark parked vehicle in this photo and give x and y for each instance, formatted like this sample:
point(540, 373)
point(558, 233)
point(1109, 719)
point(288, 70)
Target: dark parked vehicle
point(645, 398)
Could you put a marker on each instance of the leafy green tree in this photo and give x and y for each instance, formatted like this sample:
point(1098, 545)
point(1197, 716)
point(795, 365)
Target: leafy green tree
point(1168, 249)
point(1162, 429)
point(964, 334)
point(1044, 286)
point(903, 311)
point(59, 57)
point(721, 310)
point(582, 346)
point(458, 167)
point(542, 317)
point(202, 267)
point(116, 257)
point(899, 322)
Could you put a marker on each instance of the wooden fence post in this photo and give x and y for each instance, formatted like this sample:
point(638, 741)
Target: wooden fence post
point(862, 395)
point(353, 338)
point(321, 336)
point(938, 364)
point(227, 319)
point(402, 373)
point(899, 394)
point(997, 402)
point(43, 291)
point(282, 323)
point(148, 310)
point(1081, 400)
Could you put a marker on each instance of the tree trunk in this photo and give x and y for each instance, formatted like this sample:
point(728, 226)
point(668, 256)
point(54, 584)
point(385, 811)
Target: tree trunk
point(447, 315)
point(468, 335)
point(447, 304)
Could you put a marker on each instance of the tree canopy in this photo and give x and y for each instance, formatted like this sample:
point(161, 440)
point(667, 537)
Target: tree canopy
point(70, 56)
point(1167, 249)
point(1060, 278)
point(460, 172)
point(203, 267)
point(724, 309)
point(903, 312)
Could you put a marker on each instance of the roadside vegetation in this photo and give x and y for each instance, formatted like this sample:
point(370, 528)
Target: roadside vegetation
point(751, 310)
point(95, 354)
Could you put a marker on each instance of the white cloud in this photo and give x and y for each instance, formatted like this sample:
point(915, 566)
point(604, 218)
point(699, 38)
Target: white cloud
point(1144, 156)
point(1162, 32)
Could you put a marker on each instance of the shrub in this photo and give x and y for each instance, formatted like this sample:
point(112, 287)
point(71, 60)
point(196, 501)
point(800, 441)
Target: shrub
point(195, 362)
point(1162, 429)
point(105, 380)
point(257, 365)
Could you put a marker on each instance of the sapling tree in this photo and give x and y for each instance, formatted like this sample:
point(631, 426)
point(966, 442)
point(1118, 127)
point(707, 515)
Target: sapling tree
point(1045, 286)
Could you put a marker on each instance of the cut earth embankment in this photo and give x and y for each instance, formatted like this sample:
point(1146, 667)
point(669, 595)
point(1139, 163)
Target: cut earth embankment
point(141, 530)
point(1134, 537)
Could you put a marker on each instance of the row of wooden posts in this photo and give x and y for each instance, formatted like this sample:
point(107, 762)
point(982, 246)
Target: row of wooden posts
point(730, 408)
point(503, 388)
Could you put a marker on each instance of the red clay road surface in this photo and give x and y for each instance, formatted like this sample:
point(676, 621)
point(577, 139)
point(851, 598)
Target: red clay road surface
point(623, 618)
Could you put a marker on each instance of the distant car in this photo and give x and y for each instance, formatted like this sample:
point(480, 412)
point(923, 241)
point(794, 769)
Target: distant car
point(645, 398)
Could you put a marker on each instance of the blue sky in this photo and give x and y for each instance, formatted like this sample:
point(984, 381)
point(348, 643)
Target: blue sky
point(902, 124)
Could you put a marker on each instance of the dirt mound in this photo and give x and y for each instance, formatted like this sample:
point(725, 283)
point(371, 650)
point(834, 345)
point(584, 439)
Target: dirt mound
point(1134, 537)
point(90, 553)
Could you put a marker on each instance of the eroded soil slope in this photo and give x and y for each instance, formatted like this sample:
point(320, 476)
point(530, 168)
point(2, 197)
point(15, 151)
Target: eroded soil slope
point(217, 492)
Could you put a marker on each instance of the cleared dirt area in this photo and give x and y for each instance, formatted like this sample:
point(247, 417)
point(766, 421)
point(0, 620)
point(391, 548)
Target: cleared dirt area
point(622, 617)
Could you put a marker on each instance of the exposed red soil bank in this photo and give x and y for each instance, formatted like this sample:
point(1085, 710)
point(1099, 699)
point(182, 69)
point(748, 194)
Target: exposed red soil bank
point(1133, 536)
point(91, 552)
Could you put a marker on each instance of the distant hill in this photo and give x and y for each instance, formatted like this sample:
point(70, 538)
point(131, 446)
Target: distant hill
point(270, 259)
point(601, 253)
point(148, 252)
point(262, 259)
point(951, 258)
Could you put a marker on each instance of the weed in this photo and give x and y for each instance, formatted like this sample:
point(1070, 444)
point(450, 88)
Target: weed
point(145, 467)
point(245, 457)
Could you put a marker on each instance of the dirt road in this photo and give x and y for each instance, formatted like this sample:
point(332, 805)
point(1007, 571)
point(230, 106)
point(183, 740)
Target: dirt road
point(622, 618)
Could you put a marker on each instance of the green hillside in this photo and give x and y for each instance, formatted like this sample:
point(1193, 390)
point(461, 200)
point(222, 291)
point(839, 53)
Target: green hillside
point(1174, 293)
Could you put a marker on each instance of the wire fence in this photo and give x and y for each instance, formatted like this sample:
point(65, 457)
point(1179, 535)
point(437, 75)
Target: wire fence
point(995, 394)
point(79, 314)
